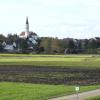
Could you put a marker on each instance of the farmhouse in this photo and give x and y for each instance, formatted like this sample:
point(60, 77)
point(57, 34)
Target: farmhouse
point(9, 47)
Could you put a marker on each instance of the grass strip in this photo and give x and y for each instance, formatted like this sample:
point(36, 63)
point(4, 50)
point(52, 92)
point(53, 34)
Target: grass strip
point(26, 91)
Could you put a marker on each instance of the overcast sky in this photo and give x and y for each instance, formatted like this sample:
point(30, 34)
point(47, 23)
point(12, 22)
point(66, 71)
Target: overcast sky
point(55, 18)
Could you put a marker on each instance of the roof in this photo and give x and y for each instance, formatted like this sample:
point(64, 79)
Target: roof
point(27, 20)
point(22, 34)
point(32, 33)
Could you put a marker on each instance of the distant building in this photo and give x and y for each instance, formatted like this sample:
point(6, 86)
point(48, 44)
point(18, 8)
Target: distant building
point(9, 47)
point(31, 37)
point(26, 33)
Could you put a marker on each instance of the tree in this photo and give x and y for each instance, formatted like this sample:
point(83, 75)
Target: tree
point(11, 38)
point(56, 45)
point(2, 38)
point(68, 43)
point(1, 47)
point(46, 44)
point(92, 44)
point(23, 44)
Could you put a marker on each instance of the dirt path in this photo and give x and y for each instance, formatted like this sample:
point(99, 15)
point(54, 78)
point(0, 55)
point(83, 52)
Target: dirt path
point(81, 96)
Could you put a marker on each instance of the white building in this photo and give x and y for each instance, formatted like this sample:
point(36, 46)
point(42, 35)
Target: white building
point(9, 47)
point(29, 35)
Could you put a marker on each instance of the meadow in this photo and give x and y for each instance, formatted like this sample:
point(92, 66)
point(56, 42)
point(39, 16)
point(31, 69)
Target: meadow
point(15, 68)
point(23, 91)
point(94, 98)
point(91, 61)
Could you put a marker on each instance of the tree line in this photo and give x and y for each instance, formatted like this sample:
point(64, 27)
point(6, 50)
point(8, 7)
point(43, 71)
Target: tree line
point(50, 45)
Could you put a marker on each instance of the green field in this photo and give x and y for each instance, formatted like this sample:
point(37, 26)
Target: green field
point(94, 98)
point(26, 91)
point(51, 60)
point(23, 91)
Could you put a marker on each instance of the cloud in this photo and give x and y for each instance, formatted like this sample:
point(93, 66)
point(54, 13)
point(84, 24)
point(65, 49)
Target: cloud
point(56, 2)
point(83, 35)
point(97, 28)
point(73, 28)
point(93, 3)
point(60, 18)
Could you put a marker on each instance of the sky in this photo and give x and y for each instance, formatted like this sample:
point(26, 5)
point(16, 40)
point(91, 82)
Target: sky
point(53, 18)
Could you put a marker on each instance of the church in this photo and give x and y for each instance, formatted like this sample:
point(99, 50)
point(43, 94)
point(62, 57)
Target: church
point(30, 38)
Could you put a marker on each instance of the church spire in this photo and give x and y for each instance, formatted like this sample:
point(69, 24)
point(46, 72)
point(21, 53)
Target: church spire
point(27, 20)
point(27, 25)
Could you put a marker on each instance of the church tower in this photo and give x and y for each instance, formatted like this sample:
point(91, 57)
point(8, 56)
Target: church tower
point(27, 26)
point(26, 33)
